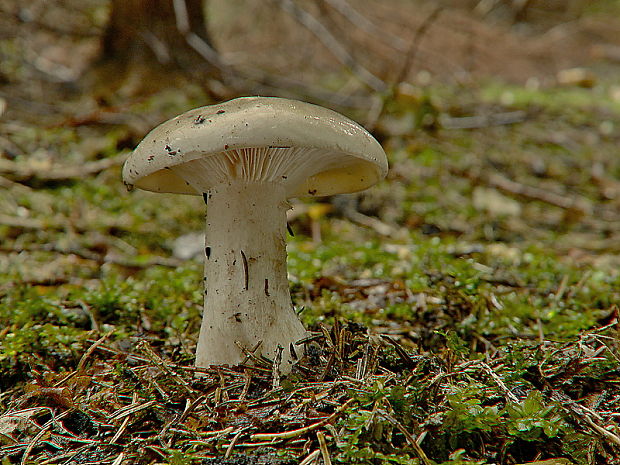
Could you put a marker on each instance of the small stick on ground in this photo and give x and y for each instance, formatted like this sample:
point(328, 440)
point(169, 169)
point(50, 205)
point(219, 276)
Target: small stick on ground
point(44, 429)
point(131, 409)
point(323, 446)
point(402, 353)
point(310, 458)
point(121, 430)
point(86, 254)
point(410, 439)
point(580, 413)
point(509, 395)
point(509, 186)
point(21, 172)
point(231, 446)
point(304, 430)
point(190, 408)
point(159, 362)
point(484, 121)
point(250, 354)
point(378, 226)
point(91, 349)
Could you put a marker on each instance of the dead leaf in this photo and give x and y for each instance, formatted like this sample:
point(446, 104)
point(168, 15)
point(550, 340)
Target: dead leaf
point(13, 422)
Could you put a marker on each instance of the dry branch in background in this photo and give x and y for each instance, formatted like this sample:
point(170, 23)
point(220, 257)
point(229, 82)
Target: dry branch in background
point(415, 43)
point(484, 121)
point(364, 24)
point(23, 173)
point(316, 27)
point(378, 108)
point(258, 81)
point(496, 180)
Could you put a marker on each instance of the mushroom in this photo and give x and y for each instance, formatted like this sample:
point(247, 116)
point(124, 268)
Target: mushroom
point(246, 157)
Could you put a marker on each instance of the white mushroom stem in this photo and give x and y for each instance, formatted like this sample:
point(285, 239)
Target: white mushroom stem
point(247, 299)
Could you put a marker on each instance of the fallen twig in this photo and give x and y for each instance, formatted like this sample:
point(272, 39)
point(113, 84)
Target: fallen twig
point(402, 353)
point(507, 392)
point(311, 458)
point(581, 413)
point(91, 349)
point(46, 427)
point(120, 430)
point(410, 439)
point(381, 228)
point(199, 44)
point(157, 360)
point(509, 186)
point(8, 184)
point(323, 446)
point(23, 223)
point(304, 430)
point(189, 408)
point(250, 354)
point(87, 255)
point(483, 121)
point(21, 172)
point(132, 408)
point(230, 447)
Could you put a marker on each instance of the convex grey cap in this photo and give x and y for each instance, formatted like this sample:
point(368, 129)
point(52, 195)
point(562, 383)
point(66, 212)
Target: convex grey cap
point(311, 150)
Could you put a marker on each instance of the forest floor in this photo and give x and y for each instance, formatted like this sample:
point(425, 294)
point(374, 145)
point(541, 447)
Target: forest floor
point(464, 311)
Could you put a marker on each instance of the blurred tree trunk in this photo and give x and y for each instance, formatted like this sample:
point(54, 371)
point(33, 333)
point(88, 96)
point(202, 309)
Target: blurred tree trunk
point(143, 49)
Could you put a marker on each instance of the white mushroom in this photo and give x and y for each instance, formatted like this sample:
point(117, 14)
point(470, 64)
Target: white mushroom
point(248, 156)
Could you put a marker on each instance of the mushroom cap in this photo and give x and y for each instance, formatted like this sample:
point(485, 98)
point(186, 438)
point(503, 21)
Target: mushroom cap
point(336, 154)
